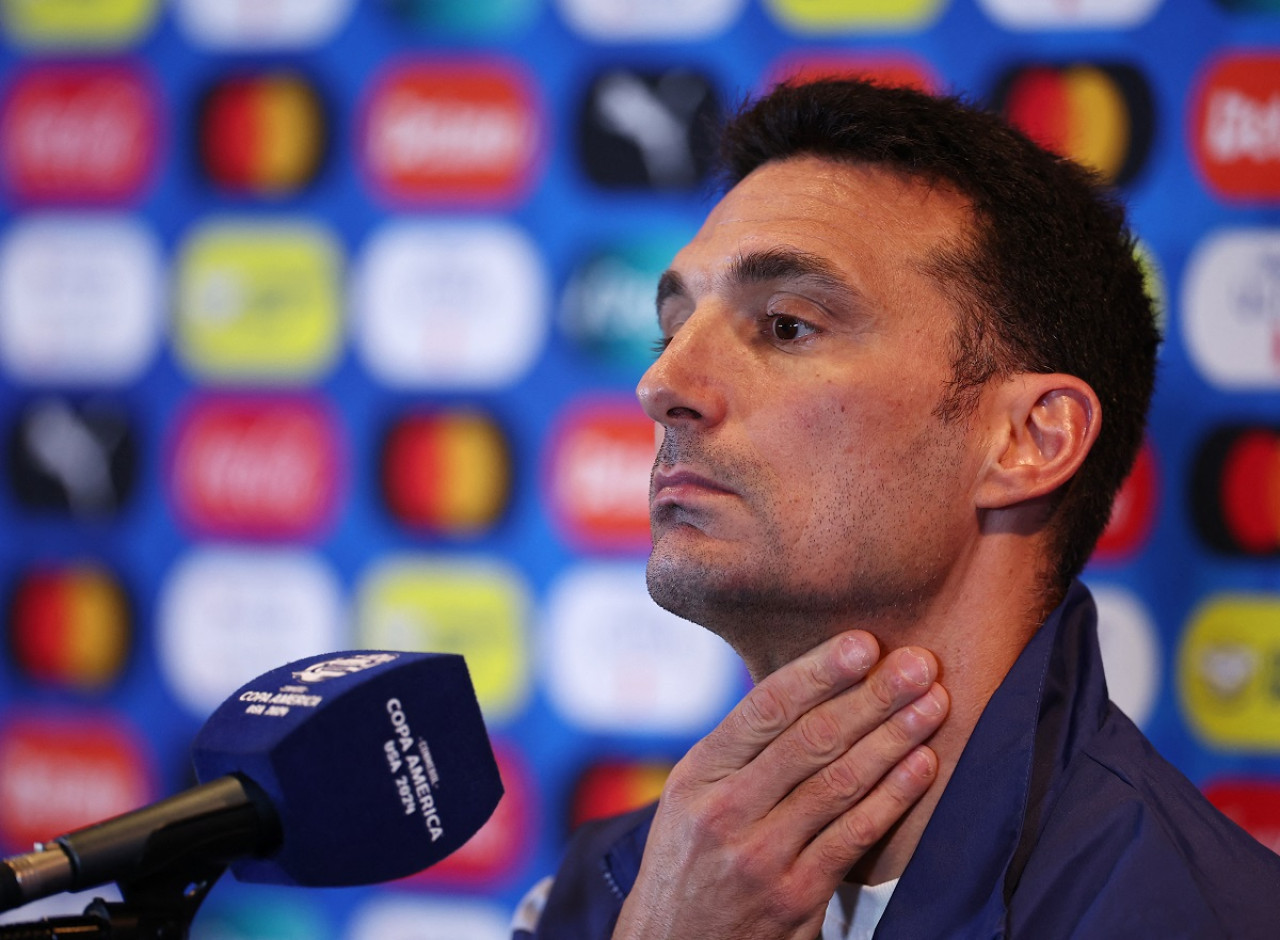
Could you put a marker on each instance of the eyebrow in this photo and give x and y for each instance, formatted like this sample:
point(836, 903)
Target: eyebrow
point(772, 264)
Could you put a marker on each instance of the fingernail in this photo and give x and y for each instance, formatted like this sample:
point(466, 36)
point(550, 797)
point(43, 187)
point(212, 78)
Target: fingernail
point(929, 705)
point(855, 653)
point(915, 668)
point(919, 763)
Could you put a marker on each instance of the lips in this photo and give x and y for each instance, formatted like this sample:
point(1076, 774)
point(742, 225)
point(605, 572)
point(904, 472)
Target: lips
point(680, 484)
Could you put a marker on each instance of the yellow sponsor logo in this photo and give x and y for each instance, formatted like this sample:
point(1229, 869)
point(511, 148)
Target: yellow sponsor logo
point(77, 23)
point(259, 302)
point(1229, 672)
point(821, 16)
point(476, 608)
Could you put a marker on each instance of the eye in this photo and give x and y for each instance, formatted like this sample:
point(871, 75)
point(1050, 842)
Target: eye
point(786, 329)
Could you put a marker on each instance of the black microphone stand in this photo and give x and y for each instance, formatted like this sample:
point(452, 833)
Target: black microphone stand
point(160, 906)
point(170, 877)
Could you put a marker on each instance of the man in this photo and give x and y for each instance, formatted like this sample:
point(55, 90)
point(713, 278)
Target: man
point(906, 366)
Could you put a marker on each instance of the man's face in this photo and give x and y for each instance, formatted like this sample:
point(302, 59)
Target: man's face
point(803, 475)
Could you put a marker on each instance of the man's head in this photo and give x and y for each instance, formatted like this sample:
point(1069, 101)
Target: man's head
point(1048, 281)
point(889, 279)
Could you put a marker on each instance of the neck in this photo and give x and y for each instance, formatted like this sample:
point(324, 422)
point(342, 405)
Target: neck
point(976, 633)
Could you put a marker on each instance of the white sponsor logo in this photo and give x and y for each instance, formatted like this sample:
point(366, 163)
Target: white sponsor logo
point(617, 662)
point(1069, 14)
point(1130, 651)
point(228, 615)
point(261, 24)
point(1239, 127)
point(80, 299)
point(1231, 308)
point(440, 305)
point(652, 20)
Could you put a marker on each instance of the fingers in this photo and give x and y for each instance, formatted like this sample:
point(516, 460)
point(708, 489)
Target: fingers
point(879, 758)
point(819, 741)
point(778, 701)
point(851, 834)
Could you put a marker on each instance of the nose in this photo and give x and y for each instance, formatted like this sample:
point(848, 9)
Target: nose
point(685, 385)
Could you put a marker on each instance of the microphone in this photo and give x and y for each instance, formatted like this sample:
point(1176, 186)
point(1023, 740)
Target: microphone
point(345, 768)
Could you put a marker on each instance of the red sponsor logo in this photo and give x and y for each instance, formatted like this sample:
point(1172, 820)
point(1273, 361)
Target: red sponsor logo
point(499, 845)
point(75, 133)
point(256, 468)
point(59, 772)
point(451, 132)
point(599, 476)
point(1133, 512)
point(1254, 805)
point(1235, 489)
point(1235, 126)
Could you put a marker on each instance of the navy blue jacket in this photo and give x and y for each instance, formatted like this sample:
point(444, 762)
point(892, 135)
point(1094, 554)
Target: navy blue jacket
point(1060, 820)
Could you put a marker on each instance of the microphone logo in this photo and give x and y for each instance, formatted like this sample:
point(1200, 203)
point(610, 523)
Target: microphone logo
point(342, 666)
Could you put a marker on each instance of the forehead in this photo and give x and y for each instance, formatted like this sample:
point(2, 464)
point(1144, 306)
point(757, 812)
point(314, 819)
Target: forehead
point(878, 227)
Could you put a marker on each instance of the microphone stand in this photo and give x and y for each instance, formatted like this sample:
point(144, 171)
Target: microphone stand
point(160, 906)
point(174, 872)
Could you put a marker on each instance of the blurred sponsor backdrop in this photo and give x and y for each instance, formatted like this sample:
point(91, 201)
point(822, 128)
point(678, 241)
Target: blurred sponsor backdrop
point(319, 321)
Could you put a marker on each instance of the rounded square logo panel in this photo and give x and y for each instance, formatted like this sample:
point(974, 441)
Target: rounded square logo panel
point(262, 133)
point(1229, 672)
point(654, 21)
point(488, 19)
point(478, 608)
point(451, 131)
point(1100, 114)
point(60, 770)
point(617, 663)
point(73, 457)
point(449, 305)
point(648, 129)
point(79, 133)
point(69, 626)
point(1231, 308)
point(606, 308)
point(260, 25)
point(601, 453)
point(1234, 126)
point(446, 472)
point(400, 917)
point(1069, 14)
point(1234, 491)
point(77, 24)
point(257, 467)
point(259, 301)
point(228, 614)
point(80, 299)
point(842, 16)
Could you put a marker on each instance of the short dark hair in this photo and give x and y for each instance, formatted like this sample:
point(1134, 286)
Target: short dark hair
point(1049, 283)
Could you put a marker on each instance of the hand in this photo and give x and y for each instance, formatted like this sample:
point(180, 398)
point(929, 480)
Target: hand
point(762, 819)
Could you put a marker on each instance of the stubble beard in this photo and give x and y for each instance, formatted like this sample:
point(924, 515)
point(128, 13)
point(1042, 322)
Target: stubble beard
point(771, 601)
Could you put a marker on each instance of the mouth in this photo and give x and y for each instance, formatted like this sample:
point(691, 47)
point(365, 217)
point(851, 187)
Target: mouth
point(680, 485)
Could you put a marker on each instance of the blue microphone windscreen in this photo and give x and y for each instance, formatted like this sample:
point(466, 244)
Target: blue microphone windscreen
point(377, 764)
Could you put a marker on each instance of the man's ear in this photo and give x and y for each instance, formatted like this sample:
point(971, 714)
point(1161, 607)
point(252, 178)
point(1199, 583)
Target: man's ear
point(1045, 425)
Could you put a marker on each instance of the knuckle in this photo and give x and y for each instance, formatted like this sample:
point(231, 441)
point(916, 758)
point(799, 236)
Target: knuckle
point(843, 780)
point(763, 711)
point(820, 735)
point(859, 830)
point(881, 689)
